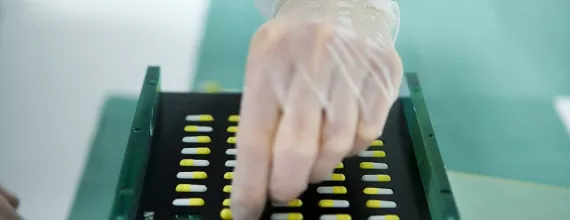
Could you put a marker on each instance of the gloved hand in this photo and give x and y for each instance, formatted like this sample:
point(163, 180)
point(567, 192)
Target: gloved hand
point(321, 78)
point(8, 205)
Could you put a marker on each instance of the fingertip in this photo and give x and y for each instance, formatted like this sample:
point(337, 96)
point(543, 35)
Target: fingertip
point(247, 205)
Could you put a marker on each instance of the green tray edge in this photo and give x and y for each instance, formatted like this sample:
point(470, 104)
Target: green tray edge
point(433, 173)
point(136, 154)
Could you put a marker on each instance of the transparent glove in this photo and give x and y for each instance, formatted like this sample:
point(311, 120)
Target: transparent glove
point(321, 78)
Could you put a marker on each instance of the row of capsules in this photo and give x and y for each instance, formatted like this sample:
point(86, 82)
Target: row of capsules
point(194, 159)
point(370, 162)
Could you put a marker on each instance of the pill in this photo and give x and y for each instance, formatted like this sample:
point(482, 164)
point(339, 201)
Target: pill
point(190, 188)
point(336, 217)
point(195, 128)
point(378, 191)
point(196, 150)
point(377, 143)
point(331, 190)
point(294, 203)
point(384, 217)
point(227, 189)
point(188, 202)
point(380, 204)
point(231, 140)
point(226, 214)
point(377, 153)
point(336, 177)
point(192, 175)
point(287, 216)
point(229, 175)
point(339, 166)
point(233, 118)
point(197, 139)
point(231, 151)
point(232, 129)
point(329, 203)
point(226, 203)
point(202, 117)
point(377, 178)
point(194, 163)
point(230, 163)
point(370, 165)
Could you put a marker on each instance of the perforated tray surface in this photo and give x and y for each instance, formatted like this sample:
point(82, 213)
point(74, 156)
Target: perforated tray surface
point(161, 181)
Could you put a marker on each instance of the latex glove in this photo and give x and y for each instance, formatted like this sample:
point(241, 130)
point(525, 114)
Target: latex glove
point(321, 78)
point(8, 205)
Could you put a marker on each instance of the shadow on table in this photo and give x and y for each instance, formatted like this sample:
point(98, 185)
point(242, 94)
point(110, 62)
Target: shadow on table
point(94, 196)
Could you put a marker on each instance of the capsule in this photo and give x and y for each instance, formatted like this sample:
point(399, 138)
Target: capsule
point(376, 153)
point(380, 204)
point(331, 190)
point(339, 165)
point(196, 150)
point(190, 188)
point(377, 143)
point(287, 216)
point(329, 203)
point(195, 128)
point(337, 177)
point(188, 202)
point(233, 118)
point(231, 151)
point(227, 189)
point(192, 175)
point(226, 203)
point(378, 191)
point(203, 117)
point(336, 217)
point(377, 178)
point(370, 165)
point(229, 175)
point(232, 129)
point(194, 163)
point(226, 214)
point(384, 217)
point(231, 140)
point(230, 163)
point(197, 139)
point(294, 203)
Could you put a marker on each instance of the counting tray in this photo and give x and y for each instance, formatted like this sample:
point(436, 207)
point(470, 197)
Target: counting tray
point(194, 132)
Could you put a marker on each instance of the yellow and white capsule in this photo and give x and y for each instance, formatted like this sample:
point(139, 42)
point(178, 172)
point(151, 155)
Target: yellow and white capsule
point(197, 139)
point(294, 203)
point(196, 150)
point(231, 140)
point(194, 163)
point(227, 189)
point(202, 117)
point(339, 165)
point(287, 216)
point(377, 143)
point(196, 128)
point(232, 129)
point(378, 191)
point(192, 175)
point(188, 202)
point(190, 188)
point(233, 118)
point(377, 178)
point(380, 204)
point(229, 175)
point(230, 163)
point(384, 217)
point(336, 217)
point(370, 165)
point(330, 203)
point(226, 214)
point(231, 151)
point(336, 177)
point(226, 203)
point(372, 153)
point(331, 190)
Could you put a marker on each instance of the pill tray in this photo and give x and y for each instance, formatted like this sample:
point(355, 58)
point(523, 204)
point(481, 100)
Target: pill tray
point(179, 162)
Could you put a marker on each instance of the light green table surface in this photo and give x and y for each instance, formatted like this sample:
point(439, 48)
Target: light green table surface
point(490, 70)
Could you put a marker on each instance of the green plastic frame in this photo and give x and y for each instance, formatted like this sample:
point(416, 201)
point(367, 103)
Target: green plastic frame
point(432, 170)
